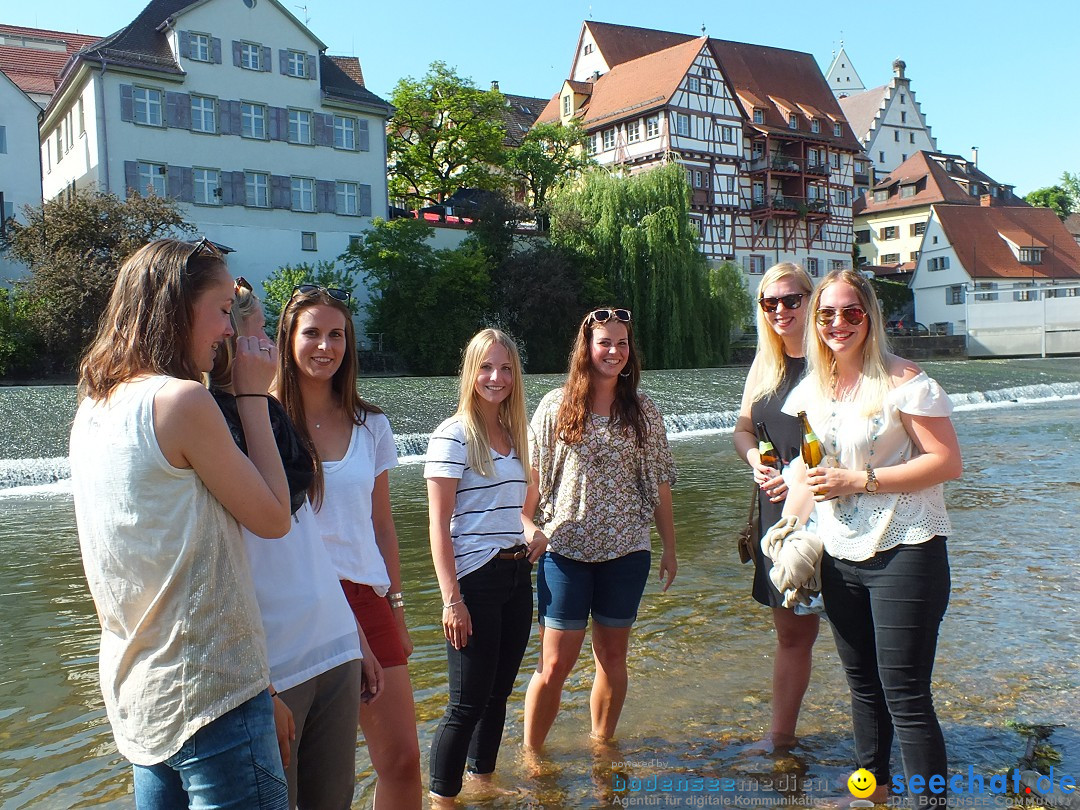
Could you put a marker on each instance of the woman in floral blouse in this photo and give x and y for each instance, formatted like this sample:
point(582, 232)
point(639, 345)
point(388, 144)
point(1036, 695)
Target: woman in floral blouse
point(602, 475)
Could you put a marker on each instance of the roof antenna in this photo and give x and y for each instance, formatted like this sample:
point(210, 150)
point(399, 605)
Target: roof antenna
point(703, 29)
point(307, 18)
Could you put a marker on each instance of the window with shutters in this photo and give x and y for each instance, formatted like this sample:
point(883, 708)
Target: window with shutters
point(203, 114)
point(257, 189)
point(299, 126)
point(199, 48)
point(252, 120)
point(347, 199)
point(151, 178)
point(250, 56)
point(303, 194)
point(344, 132)
point(812, 266)
point(296, 64)
point(146, 107)
point(954, 294)
point(207, 186)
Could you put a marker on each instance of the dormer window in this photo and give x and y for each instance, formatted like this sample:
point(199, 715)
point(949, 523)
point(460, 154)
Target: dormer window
point(793, 121)
point(815, 125)
point(838, 130)
point(1031, 255)
point(759, 115)
point(881, 195)
point(907, 190)
point(566, 102)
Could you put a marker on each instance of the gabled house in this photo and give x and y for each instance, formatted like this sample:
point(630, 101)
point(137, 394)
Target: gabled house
point(235, 110)
point(842, 77)
point(768, 154)
point(888, 121)
point(34, 58)
point(890, 220)
point(1008, 277)
point(20, 171)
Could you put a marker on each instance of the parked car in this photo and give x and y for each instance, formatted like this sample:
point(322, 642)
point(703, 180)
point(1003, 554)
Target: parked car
point(906, 328)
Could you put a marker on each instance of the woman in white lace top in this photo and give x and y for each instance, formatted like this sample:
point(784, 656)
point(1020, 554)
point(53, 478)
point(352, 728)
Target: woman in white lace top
point(885, 426)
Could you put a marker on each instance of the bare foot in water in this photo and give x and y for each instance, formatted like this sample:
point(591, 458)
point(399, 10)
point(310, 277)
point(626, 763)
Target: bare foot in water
point(773, 744)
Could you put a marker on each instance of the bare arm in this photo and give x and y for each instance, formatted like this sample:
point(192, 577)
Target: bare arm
point(535, 539)
point(387, 541)
point(745, 440)
point(665, 527)
point(456, 620)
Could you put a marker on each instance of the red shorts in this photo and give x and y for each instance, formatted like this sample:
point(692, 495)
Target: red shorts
point(378, 623)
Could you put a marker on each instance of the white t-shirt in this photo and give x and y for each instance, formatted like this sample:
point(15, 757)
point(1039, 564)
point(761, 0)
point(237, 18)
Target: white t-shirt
point(309, 626)
point(487, 510)
point(345, 516)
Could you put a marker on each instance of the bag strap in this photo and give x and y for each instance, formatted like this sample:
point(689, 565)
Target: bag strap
point(753, 501)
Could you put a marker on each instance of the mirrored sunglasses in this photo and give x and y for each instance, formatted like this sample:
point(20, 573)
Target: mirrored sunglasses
point(605, 315)
point(853, 315)
point(336, 293)
point(793, 301)
point(242, 285)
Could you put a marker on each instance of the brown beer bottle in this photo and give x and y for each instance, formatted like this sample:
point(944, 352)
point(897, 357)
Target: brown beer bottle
point(812, 454)
point(766, 449)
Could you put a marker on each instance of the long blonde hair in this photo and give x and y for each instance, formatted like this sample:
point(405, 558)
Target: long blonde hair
point(511, 410)
point(767, 370)
point(874, 381)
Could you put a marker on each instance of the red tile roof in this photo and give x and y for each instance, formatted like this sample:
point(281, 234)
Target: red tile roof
point(350, 66)
point(974, 232)
point(862, 108)
point(33, 68)
point(625, 43)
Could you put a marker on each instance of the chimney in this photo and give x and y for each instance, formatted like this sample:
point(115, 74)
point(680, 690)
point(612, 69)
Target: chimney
point(985, 200)
point(975, 156)
point(595, 75)
point(495, 86)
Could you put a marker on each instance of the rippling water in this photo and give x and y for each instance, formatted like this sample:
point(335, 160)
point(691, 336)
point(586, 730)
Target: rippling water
point(700, 655)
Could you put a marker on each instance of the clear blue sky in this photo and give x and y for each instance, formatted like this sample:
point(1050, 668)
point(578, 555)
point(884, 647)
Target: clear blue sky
point(998, 75)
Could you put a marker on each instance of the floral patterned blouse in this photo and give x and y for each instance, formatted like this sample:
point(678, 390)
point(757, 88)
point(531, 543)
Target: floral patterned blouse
point(597, 498)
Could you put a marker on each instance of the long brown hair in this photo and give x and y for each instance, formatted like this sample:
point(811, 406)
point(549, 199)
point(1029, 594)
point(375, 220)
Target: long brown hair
point(511, 410)
point(146, 327)
point(343, 382)
point(578, 394)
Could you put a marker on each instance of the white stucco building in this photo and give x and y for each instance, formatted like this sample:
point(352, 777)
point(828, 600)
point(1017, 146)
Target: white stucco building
point(20, 172)
point(233, 108)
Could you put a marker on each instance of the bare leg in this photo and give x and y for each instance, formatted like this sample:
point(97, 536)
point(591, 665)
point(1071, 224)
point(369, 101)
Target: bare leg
point(559, 651)
point(389, 726)
point(610, 645)
point(795, 636)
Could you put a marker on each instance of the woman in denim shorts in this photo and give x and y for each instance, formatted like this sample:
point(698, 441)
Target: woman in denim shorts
point(602, 475)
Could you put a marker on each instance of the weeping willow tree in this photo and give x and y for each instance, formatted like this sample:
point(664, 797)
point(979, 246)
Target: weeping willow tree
point(637, 235)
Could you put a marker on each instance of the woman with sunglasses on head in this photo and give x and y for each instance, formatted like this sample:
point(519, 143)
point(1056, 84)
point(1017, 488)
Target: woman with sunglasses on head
point(354, 450)
point(313, 641)
point(602, 475)
point(881, 514)
point(160, 492)
point(476, 482)
point(778, 365)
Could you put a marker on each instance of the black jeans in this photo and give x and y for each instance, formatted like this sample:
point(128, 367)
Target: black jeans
point(885, 613)
point(482, 673)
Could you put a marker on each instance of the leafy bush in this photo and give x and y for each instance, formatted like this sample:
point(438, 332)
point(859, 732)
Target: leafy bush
point(278, 288)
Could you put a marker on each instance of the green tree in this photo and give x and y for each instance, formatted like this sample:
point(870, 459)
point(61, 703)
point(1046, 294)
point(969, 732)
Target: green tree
point(445, 134)
point(1053, 197)
point(19, 344)
point(637, 235)
point(427, 303)
point(278, 288)
point(1071, 184)
point(549, 154)
point(895, 297)
point(74, 246)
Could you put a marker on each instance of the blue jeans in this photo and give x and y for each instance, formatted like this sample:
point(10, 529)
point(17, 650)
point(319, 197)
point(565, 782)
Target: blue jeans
point(231, 762)
point(568, 590)
point(482, 673)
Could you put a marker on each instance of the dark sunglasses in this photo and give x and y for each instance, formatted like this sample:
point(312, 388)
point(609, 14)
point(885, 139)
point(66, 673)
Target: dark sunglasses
point(853, 315)
point(605, 315)
point(204, 245)
point(242, 285)
point(793, 301)
point(336, 293)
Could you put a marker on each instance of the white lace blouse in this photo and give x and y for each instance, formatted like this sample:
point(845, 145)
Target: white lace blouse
point(856, 527)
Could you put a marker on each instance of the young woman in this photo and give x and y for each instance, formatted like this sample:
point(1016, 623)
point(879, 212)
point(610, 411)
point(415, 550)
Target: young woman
point(312, 639)
point(778, 364)
point(881, 514)
point(602, 475)
point(159, 486)
point(354, 451)
point(476, 490)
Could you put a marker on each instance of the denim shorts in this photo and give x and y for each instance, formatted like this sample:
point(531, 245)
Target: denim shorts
point(567, 590)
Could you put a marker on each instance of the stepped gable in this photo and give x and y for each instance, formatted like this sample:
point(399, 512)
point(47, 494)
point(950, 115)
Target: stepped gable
point(977, 234)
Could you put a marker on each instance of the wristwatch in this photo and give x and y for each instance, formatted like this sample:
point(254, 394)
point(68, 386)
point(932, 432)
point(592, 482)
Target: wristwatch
point(871, 480)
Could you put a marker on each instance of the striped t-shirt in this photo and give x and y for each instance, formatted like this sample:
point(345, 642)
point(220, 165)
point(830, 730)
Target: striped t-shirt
point(487, 510)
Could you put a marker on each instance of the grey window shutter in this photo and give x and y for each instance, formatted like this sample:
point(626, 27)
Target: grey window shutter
point(324, 129)
point(239, 187)
point(282, 116)
point(310, 66)
point(187, 184)
point(226, 119)
point(185, 44)
point(364, 201)
point(274, 124)
point(236, 53)
point(175, 186)
point(326, 196)
point(215, 50)
point(280, 191)
point(363, 140)
point(174, 115)
point(131, 176)
point(127, 106)
point(265, 54)
point(283, 61)
point(228, 195)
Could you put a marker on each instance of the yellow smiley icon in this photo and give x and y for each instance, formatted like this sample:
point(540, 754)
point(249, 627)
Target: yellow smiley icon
point(861, 783)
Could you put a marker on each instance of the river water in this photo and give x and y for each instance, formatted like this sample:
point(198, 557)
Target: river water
point(700, 654)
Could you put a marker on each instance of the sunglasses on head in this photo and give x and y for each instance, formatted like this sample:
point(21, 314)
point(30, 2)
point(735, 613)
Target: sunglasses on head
point(336, 293)
point(204, 245)
point(605, 315)
point(242, 285)
point(793, 301)
point(853, 315)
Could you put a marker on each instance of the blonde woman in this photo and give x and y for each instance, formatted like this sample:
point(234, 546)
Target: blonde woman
point(783, 301)
point(881, 514)
point(477, 475)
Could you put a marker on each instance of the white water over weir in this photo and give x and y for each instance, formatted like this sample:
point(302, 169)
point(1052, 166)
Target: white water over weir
point(47, 472)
